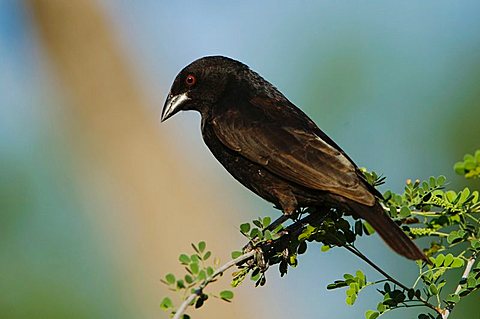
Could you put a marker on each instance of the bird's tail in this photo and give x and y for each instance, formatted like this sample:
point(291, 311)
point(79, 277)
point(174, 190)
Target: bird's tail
point(388, 230)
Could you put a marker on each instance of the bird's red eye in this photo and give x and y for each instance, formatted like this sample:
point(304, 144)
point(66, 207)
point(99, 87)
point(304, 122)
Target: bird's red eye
point(190, 80)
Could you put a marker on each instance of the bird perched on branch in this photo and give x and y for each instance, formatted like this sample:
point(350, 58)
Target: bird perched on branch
point(273, 148)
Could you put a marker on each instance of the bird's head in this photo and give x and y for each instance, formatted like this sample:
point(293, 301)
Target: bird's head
point(200, 85)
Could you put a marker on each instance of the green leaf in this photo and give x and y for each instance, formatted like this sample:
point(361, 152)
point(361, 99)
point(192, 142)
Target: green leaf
point(226, 295)
point(236, 254)
point(425, 186)
point(470, 165)
point(184, 259)
point(325, 248)
point(170, 278)
point(292, 260)
point(355, 287)
point(457, 262)
point(166, 304)
point(245, 228)
point(452, 298)
point(194, 268)
point(405, 212)
point(348, 276)
point(450, 196)
point(455, 236)
point(432, 182)
point(372, 314)
point(471, 282)
point(359, 228)
point(194, 258)
point(381, 307)
point(277, 229)
point(433, 289)
point(448, 260)
point(441, 180)
point(336, 284)
point(180, 284)
point(386, 287)
point(302, 248)
point(255, 233)
point(361, 278)
point(464, 292)
point(350, 300)
point(393, 211)
point(441, 284)
point(475, 243)
point(459, 168)
point(439, 260)
point(268, 235)
point(200, 300)
point(464, 195)
point(451, 237)
point(258, 223)
point(202, 275)
point(207, 255)
point(410, 294)
point(266, 222)
point(210, 271)
point(369, 230)
point(475, 195)
point(201, 246)
point(307, 232)
point(256, 273)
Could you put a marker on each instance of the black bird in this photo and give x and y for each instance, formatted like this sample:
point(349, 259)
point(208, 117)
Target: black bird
point(273, 148)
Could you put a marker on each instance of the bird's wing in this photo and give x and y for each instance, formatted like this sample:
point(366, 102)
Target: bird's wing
point(293, 152)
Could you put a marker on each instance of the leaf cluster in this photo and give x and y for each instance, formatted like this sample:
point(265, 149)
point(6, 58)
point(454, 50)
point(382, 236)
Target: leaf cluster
point(470, 166)
point(198, 273)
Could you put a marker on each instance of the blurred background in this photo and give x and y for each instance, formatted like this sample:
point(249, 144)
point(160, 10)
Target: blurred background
point(97, 199)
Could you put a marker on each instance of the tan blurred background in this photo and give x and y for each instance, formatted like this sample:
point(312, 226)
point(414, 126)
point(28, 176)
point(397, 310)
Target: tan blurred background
point(135, 194)
point(97, 199)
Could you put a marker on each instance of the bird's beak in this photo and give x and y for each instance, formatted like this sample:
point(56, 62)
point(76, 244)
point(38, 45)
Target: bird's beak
point(173, 105)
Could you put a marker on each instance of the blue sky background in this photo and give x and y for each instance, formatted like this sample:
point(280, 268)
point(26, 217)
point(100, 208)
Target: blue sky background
point(395, 84)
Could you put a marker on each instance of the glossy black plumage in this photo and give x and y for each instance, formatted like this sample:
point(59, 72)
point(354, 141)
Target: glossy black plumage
point(273, 148)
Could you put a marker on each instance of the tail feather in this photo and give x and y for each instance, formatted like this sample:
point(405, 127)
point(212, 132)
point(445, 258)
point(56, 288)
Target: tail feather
point(388, 230)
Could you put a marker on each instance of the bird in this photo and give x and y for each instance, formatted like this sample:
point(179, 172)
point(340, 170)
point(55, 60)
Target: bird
point(273, 148)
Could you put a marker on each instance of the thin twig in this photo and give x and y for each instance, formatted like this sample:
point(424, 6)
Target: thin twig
point(356, 252)
point(467, 271)
point(181, 310)
point(422, 273)
point(413, 212)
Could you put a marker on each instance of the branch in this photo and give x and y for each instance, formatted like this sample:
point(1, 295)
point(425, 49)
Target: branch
point(267, 248)
point(467, 271)
point(219, 271)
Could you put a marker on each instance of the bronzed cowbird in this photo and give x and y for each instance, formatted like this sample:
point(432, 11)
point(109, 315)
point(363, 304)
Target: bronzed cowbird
point(273, 148)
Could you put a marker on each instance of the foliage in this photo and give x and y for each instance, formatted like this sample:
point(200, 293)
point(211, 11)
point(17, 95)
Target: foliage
point(470, 166)
point(448, 218)
point(198, 273)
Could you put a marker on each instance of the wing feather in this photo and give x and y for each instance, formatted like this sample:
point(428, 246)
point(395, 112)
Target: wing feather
point(292, 152)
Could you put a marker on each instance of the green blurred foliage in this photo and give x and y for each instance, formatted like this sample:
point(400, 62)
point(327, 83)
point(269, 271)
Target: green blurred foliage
point(50, 263)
